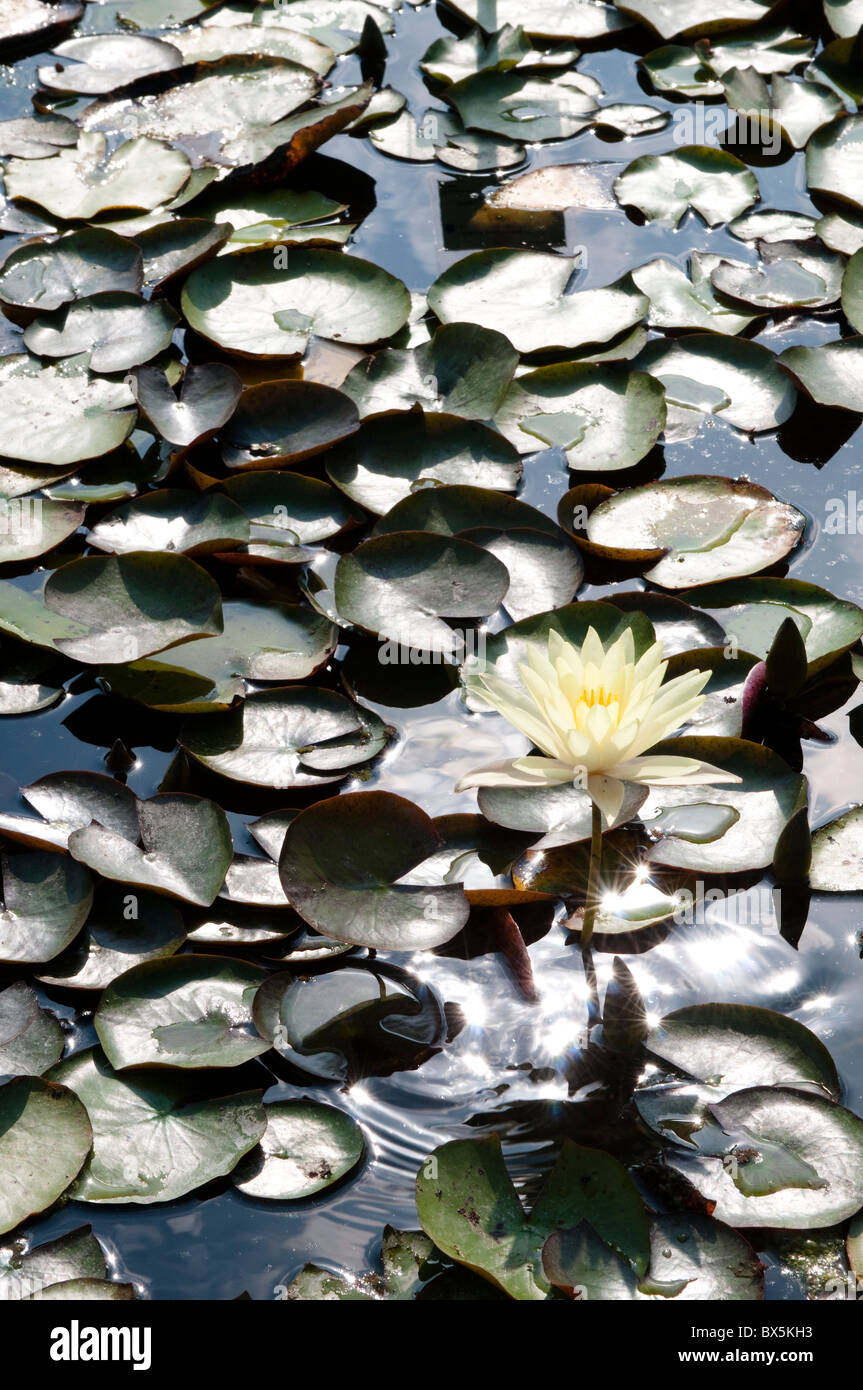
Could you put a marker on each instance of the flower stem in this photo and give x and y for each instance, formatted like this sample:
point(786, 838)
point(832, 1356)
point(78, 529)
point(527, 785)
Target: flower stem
point(591, 905)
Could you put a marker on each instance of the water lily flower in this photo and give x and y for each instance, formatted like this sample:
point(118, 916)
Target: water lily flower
point(595, 714)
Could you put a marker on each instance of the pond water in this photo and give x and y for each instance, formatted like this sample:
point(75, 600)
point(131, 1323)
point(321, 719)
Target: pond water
point(514, 1067)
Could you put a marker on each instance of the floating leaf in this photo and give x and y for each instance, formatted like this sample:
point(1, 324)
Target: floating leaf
point(31, 1039)
point(837, 854)
point(42, 276)
point(45, 1137)
point(828, 625)
point(712, 182)
point(736, 1045)
point(337, 23)
point(712, 528)
point(101, 62)
point(678, 300)
point(283, 422)
point(123, 929)
point(248, 305)
point(27, 531)
point(706, 373)
point(672, 17)
point(46, 901)
point(394, 454)
point(187, 1012)
point(521, 105)
point(87, 180)
point(464, 370)
point(72, 1257)
point(291, 737)
point(479, 1219)
point(834, 160)
point(184, 852)
point(524, 294)
point(206, 43)
point(356, 896)
point(115, 330)
point(206, 399)
point(60, 415)
point(403, 586)
point(291, 503)
point(153, 1139)
point(546, 19)
point(831, 373)
point(601, 417)
point(23, 19)
point(172, 521)
point(305, 1149)
point(36, 136)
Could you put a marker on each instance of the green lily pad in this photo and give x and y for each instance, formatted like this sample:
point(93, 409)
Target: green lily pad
point(173, 521)
point(68, 801)
point(393, 455)
point(357, 896)
point(27, 531)
point(766, 225)
point(46, 901)
point(845, 17)
point(24, 19)
point(87, 180)
point(280, 504)
point(696, 71)
point(187, 1012)
point(222, 102)
point(834, 160)
point(184, 852)
point(837, 854)
point(206, 43)
point(45, 1136)
point(464, 370)
point(842, 231)
point(707, 373)
point(711, 182)
point(123, 929)
point(712, 528)
point(305, 1149)
point(153, 1139)
point(291, 737)
point(36, 136)
point(479, 1220)
point(797, 108)
point(206, 399)
point(737, 1045)
point(31, 1039)
point(441, 135)
point(831, 373)
point(678, 300)
point(74, 1256)
point(450, 511)
point(546, 19)
point(524, 294)
point(245, 304)
point(129, 606)
point(808, 1147)
point(32, 679)
point(116, 331)
point(402, 587)
point(337, 23)
point(86, 1291)
point(283, 422)
point(42, 276)
point(765, 799)
point(828, 625)
point(787, 277)
point(852, 292)
point(602, 417)
point(291, 140)
point(263, 641)
point(175, 247)
point(521, 106)
point(450, 59)
point(672, 17)
point(59, 415)
point(101, 62)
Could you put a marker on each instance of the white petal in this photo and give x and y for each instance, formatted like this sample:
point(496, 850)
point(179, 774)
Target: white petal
point(521, 772)
point(606, 793)
point(663, 769)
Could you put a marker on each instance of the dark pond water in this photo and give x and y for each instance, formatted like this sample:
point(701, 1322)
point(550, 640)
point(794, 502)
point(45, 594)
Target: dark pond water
point(511, 1068)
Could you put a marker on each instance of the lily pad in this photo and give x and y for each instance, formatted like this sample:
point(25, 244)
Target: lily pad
point(441, 135)
point(246, 304)
point(464, 370)
point(404, 585)
point(36, 136)
point(25, 19)
point(289, 504)
point(87, 180)
point(283, 422)
point(828, 625)
point(184, 851)
point(115, 330)
point(74, 1256)
point(712, 528)
point(172, 521)
point(832, 373)
point(672, 17)
point(153, 1139)
point(601, 417)
point(42, 276)
point(205, 43)
point(187, 1012)
point(337, 23)
point(711, 182)
point(708, 374)
point(123, 929)
point(206, 399)
point(807, 1168)
point(101, 62)
point(678, 300)
point(525, 294)
point(261, 641)
point(46, 899)
point(31, 1039)
point(28, 531)
point(837, 854)
point(393, 455)
point(45, 1136)
point(291, 737)
point(546, 19)
point(356, 896)
point(68, 801)
point(521, 106)
point(480, 1222)
point(736, 1045)
point(834, 160)
point(852, 292)
point(60, 415)
point(305, 1149)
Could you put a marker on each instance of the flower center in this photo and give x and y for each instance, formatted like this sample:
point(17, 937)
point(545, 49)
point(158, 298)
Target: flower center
point(597, 697)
